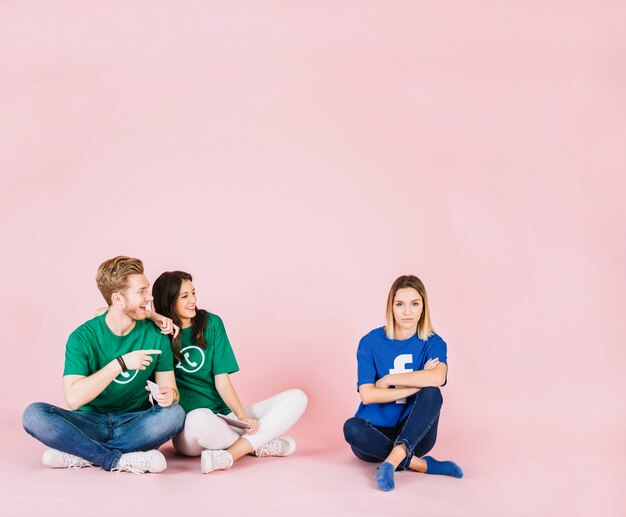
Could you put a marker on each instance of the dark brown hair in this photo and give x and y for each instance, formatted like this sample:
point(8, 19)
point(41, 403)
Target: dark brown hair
point(165, 292)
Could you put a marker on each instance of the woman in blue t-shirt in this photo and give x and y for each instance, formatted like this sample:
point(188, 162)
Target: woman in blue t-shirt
point(400, 369)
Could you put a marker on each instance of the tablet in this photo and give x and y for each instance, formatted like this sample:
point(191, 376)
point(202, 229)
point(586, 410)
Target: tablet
point(235, 422)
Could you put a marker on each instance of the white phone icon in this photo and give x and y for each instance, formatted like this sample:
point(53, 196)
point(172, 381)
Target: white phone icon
point(187, 354)
point(126, 375)
point(191, 363)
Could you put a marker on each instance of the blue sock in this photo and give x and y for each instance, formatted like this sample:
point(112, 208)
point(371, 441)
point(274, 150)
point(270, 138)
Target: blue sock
point(445, 468)
point(384, 476)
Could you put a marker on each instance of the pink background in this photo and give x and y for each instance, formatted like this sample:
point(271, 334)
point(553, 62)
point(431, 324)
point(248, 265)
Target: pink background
point(296, 157)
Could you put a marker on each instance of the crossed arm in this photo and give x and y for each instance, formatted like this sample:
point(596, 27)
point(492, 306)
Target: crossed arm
point(433, 374)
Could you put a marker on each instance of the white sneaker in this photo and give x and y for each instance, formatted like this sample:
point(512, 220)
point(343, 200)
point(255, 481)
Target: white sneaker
point(281, 446)
point(215, 460)
point(57, 460)
point(141, 462)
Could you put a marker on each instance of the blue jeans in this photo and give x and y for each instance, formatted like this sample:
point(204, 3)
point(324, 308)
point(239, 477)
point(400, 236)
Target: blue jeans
point(102, 438)
point(418, 432)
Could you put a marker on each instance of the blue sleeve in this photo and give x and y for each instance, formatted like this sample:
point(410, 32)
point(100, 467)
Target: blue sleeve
point(437, 348)
point(366, 370)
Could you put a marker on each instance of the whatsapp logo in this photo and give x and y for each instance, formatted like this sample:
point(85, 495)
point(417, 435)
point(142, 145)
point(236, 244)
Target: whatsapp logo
point(192, 359)
point(125, 377)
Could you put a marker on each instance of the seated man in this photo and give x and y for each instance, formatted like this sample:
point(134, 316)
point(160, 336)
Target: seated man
point(108, 360)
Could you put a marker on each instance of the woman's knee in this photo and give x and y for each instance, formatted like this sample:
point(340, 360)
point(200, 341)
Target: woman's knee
point(298, 398)
point(431, 393)
point(352, 430)
point(208, 430)
point(197, 422)
point(202, 418)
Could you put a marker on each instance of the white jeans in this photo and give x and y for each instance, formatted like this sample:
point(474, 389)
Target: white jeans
point(205, 430)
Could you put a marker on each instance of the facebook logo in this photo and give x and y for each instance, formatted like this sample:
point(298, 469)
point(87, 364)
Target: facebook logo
point(399, 366)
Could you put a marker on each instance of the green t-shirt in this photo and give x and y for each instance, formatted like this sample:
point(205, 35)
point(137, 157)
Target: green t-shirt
point(196, 371)
point(92, 346)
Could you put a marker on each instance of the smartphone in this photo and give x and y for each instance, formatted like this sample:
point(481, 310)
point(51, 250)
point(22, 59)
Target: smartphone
point(154, 388)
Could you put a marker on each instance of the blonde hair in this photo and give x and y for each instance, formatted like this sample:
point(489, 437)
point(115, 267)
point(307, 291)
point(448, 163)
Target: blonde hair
point(112, 275)
point(424, 325)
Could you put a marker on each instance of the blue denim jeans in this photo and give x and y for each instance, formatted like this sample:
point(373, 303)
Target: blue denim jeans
point(418, 432)
point(102, 438)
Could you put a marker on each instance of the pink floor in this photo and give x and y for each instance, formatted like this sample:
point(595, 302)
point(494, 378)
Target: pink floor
point(323, 479)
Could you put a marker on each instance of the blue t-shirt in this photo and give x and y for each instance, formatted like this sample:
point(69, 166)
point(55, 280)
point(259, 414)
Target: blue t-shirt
point(378, 356)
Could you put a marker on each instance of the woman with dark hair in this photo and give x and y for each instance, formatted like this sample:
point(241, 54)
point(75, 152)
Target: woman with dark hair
point(204, 361)
point(400, 369)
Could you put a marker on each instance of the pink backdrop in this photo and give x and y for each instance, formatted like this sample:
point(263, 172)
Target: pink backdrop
point(296, 157)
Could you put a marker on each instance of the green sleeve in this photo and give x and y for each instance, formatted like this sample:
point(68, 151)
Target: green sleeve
point(76, 359)
point(224, 360)
point(165, 361)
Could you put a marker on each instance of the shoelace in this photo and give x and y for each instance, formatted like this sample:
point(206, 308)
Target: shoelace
point(73, 462)
point(222, 460)
point(135, 463)
point(128, 469)
point(271, 448)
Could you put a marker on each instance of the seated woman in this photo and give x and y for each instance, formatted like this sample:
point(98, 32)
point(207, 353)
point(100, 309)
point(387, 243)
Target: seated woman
point(204, 361)
point(400, 369)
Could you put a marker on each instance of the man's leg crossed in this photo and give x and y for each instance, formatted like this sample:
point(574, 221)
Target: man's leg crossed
point(80, 433)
